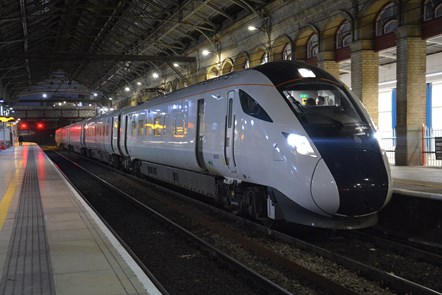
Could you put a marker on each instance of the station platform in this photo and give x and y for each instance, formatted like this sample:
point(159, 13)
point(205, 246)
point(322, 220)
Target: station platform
point(424, 182)
point(51, 242)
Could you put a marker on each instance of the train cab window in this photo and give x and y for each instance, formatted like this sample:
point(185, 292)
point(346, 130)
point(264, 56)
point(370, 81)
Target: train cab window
point(322, 103)
point(252, 108)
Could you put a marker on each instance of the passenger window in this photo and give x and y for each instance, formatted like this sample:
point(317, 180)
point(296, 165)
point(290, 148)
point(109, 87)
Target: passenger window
point(140, 127)
point(134, 128)
point(157, 126)
point(148, 124)
point(252, 108)
point(180, 125)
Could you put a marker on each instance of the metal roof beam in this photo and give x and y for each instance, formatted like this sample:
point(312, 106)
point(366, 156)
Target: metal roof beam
point(90, 57)
point(219, 11)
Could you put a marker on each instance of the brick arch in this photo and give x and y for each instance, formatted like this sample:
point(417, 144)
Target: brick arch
point(227, 66)
point(327, 37)
point(368, 18)
point(212, 73)
point(169, 87)
point(256, 57)
point(301, 40)
point(241, 60)
point(278, 47)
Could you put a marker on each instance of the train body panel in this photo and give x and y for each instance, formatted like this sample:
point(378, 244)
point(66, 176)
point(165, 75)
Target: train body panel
point(75, 136)
point(256, 143)
point(58, 136)
point(161, 133)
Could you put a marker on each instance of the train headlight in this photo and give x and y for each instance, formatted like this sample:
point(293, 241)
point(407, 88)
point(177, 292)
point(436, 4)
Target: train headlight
point(300, 144)
point(377, 137)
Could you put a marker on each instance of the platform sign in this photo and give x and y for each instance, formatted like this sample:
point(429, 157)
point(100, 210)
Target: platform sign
point(4, 119)
point(438, 146)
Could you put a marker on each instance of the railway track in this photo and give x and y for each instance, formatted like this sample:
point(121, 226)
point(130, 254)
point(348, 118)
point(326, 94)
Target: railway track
point(433, 245)
point(201, 267)
point(281, 258)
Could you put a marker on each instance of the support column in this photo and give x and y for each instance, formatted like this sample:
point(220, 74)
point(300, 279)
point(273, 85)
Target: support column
point(326, 61)
point(365, 75)
point(411, 87)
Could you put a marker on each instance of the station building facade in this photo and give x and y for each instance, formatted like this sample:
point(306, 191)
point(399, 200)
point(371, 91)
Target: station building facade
point(389, 53)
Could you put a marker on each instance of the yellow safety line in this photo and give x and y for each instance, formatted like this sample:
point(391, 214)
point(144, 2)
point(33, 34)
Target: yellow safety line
point(418, 183)
point(6, 201)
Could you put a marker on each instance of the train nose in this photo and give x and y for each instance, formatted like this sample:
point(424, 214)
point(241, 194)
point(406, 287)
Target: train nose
point(351, 183)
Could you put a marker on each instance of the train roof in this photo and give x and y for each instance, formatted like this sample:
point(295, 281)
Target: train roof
point(280, 73)
point(283, 72)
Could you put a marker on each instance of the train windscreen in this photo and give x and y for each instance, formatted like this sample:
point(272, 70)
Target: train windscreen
point(322, 103)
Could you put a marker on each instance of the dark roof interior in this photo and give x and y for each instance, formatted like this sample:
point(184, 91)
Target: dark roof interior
point(101, 44)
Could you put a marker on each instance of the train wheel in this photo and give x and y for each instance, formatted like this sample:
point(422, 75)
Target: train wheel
point(267, 222)
point(253, 202)
point(249, 201)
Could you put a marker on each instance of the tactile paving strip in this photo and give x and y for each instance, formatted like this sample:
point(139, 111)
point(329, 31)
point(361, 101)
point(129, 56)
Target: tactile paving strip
point(28, 266)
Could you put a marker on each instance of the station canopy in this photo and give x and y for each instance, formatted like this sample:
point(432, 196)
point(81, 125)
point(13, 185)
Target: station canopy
point(68, 49)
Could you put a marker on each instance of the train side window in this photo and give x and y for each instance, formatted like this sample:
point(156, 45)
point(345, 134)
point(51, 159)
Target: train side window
point(148, 126)
point(157, 126)
point(180, 125)
point(140, 127)
point(134, 128)
point(252, 108)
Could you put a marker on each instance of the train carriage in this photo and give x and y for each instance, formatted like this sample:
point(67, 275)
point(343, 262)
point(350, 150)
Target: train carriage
point(282, 141)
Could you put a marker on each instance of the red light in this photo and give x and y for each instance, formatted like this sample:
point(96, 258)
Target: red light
point(40, 125)
point(23, 126)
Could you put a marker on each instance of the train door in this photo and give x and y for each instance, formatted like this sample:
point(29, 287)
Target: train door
point(115, 135)
point(230, 132)
point(126, 130)
point(82, 135)
point(122, 134)
point(200, 134)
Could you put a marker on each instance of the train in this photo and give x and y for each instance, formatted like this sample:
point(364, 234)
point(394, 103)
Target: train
point(281, 142)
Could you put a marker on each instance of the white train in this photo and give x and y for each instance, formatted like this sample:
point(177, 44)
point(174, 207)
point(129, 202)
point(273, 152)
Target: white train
point(252, 141)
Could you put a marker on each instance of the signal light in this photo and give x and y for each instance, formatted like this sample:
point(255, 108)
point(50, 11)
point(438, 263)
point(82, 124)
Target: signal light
point(23, 126)
point(40, 125)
